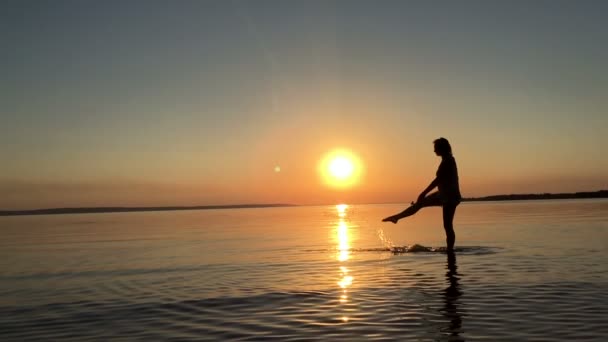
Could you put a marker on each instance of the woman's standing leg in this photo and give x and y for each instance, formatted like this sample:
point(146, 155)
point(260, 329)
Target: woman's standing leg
point(449, 209)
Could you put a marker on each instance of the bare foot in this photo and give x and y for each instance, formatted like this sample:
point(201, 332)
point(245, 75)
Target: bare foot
point(391, 219)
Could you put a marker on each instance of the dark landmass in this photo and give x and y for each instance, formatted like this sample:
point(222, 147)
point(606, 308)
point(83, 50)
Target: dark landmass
point(97, 210)
point(519, 197)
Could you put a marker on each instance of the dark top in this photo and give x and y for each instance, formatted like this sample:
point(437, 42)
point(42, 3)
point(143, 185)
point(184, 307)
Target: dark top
point(447, 177)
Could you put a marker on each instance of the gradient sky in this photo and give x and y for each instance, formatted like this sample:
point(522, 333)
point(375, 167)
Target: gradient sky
point(196, 102)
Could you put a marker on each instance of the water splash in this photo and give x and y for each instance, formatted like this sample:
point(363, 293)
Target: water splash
point(385, 240)
point(417, 248)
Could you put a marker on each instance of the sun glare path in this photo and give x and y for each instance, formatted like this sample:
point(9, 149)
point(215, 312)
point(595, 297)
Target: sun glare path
point(343, 240)
point(343, 245)
point(342, 210)
point(343, 237)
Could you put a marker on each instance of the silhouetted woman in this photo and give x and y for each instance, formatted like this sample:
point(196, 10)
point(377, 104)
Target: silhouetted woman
point(447, 196)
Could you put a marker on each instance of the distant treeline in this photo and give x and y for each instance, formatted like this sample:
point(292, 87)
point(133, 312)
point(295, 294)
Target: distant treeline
point(94, 210)
point(515, 197)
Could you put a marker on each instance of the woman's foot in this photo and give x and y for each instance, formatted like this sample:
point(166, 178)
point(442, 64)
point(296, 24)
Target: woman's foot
point(403, 214)
point(393, 219)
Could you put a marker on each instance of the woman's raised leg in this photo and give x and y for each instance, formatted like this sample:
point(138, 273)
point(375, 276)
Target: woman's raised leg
point(431, 200)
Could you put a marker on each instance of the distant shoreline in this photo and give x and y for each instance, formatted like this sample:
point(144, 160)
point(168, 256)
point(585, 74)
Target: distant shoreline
point(100, 210)
point(519, 197)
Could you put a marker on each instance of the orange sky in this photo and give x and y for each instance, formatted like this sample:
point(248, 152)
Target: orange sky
point(105, 106)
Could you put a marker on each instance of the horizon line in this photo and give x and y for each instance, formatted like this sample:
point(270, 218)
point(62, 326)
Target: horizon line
point(123, 209)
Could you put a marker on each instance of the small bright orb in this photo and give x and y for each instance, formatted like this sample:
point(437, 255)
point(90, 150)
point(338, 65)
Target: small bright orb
point(277, 169)
point(340, 169)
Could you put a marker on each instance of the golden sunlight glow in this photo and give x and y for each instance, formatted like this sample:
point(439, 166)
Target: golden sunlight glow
point(340, 168)
point(342, 234)
point(343, 243)
point(343, 240)
point(342, 209)
point(345, 282)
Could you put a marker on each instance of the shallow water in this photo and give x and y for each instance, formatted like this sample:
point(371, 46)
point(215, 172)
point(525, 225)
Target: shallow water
point(529, 270)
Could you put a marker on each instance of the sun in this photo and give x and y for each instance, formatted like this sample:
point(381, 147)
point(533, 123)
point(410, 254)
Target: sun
point(340, 168)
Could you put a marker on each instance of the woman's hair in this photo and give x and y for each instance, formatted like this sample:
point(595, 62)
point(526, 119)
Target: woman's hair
point(443, 146)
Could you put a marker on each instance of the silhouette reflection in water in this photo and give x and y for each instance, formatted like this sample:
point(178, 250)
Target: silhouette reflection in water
point(452, 295)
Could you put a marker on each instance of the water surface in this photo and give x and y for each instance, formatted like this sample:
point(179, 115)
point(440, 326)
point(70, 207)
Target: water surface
point(523, 270)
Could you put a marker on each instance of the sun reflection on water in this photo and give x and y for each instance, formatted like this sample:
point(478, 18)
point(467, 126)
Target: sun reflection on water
point(342, 210)
point(344, 248)
point(343, 243)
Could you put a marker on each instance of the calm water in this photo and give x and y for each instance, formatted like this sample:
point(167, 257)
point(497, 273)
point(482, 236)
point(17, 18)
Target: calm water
point(530, 270)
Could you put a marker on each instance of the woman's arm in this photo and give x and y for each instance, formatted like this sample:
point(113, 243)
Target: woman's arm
point(428, 188)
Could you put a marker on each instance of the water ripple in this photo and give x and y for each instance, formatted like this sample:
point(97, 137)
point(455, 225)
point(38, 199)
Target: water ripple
point(426, 309)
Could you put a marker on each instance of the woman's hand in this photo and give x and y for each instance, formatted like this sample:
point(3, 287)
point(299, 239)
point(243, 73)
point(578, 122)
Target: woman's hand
point(420, 197)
